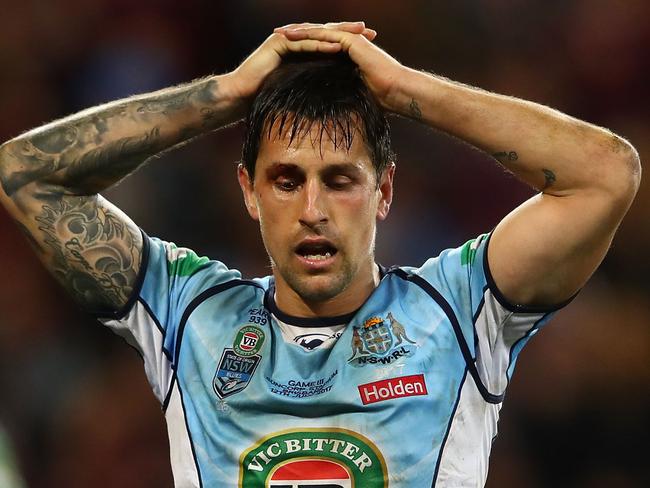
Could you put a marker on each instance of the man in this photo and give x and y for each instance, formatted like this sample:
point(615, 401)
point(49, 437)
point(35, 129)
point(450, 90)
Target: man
point(299, 379)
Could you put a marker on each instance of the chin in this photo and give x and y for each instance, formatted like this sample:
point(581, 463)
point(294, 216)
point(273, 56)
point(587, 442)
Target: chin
point(314, 289)
point(317, 288)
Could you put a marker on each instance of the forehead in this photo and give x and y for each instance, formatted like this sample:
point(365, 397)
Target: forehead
point(313, 144)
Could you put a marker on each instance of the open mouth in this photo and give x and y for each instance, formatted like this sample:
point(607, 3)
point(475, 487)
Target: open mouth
point(316, 251)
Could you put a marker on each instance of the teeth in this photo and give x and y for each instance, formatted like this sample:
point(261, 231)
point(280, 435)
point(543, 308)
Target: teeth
point(318, 257)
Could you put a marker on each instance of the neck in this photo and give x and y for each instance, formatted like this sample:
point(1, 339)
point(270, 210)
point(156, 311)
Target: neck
point(349, 300)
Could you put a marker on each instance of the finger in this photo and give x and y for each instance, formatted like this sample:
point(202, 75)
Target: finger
point(354, 27)
point(369, 34)
point(357, 25)
point(310, 45)
point(318, 34)
point(296, 26)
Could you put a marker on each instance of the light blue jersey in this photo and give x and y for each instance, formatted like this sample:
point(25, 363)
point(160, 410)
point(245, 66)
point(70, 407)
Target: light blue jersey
point(406, 394)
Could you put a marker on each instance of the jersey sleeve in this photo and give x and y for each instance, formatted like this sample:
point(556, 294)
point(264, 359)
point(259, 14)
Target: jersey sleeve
point(170, 278)
point(494, 329)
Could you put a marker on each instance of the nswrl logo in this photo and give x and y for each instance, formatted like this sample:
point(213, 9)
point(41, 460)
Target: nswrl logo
point(380, 341)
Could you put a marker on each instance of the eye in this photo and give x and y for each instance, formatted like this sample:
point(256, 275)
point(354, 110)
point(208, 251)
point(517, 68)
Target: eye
point(286, 184)
point(339, 182)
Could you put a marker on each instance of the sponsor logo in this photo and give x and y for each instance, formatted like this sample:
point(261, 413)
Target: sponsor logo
point(312, 473)
point(377, 341)
point(249, 340)
point(237, 364)
point(301, 389)
point(234, 372)
point(325, 458)
point(389, 389)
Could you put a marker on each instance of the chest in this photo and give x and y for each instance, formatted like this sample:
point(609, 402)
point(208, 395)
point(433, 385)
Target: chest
point(379, 400)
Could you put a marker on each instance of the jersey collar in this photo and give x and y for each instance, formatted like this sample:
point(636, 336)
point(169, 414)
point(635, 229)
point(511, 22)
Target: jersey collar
point(271, 306)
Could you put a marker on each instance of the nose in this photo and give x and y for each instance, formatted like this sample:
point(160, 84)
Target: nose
point(314, 207)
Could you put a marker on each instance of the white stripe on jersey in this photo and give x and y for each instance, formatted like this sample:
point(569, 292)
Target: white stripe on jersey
point(180, 448)
point(139, 329)
point(475, 420)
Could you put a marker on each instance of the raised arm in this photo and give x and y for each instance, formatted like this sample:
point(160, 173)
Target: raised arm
point(546, 249)
point(50, 177)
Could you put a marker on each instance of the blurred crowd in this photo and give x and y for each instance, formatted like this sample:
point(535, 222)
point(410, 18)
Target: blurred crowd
point(76, 408)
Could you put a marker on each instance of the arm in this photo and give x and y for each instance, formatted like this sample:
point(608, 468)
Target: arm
point(546, 249)
point(50, 177)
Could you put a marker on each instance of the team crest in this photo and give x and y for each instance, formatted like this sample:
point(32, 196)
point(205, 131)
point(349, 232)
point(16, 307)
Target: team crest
point(233, 373)
point(376, 336)
point(380, 341)
point(237, 364)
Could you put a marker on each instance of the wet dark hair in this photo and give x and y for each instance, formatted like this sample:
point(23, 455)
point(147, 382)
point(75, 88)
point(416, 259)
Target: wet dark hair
point(327, 90)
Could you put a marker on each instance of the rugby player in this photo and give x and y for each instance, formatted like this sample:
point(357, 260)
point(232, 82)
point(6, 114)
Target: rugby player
point(333, 371)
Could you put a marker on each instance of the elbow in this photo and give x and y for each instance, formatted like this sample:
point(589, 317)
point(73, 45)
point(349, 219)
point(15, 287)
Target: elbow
point(624, 176)
point(631, 169)
point(634, 164)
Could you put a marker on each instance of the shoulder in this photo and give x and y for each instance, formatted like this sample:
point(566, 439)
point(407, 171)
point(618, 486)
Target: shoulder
point(456, 264)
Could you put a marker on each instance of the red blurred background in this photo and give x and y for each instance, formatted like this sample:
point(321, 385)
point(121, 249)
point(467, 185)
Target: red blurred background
point(75, 404)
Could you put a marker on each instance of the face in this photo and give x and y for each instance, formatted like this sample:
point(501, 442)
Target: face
point(317, 207)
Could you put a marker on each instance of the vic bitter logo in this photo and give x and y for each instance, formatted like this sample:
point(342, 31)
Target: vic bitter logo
point(324, 458)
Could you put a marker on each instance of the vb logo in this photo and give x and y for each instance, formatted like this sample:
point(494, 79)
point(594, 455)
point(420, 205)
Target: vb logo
point(248, 341)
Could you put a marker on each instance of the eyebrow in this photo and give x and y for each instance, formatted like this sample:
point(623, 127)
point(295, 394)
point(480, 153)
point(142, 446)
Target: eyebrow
point(347, 168)
point(279, 167)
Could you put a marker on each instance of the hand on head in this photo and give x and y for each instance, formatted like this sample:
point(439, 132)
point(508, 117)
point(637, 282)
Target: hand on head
point(379, 70)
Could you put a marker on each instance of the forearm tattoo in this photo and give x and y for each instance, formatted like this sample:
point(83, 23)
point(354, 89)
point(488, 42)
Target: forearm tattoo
point(92, 150)
point(88, 247)
point(414, 109)
point(503, 156)
point(93, 253)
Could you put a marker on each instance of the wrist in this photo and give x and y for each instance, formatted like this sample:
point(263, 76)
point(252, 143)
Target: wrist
point(408, 92)
point(228, 90)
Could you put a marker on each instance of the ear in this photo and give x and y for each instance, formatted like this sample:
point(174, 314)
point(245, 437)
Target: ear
point(385, 190)
point(246, 185)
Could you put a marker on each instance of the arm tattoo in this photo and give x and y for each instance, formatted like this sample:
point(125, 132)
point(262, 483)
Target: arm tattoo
point(414, 109)
point(90, 248)
point(94, 254)
point(549, 178)
point(511, 156)
point(503, 156)
point(111, 161)
point(98, 147)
